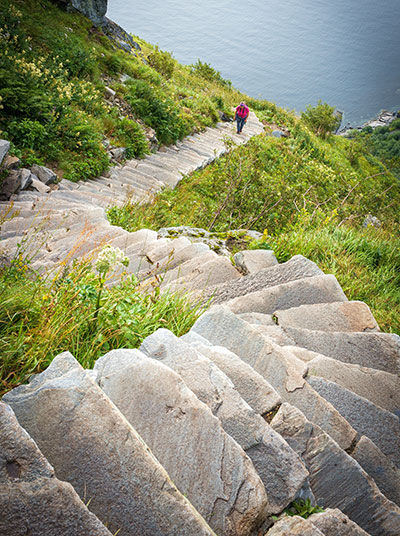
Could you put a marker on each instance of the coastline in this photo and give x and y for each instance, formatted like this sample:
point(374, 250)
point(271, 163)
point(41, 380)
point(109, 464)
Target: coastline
point(383, 119)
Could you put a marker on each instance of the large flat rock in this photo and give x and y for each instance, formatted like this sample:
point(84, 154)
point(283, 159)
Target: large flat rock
point(91, 445)
point(317, 289)
point(374, 350)
point(337, 316)
point(379, 467)
point(294, 526)
point(333, 522)
point(380, 425)
point(254, 260)
point(336, 479)
point(280, 470)
point(279, 367)
point(206, 464)
point(298, 267)
point(379, 387)
point(32, 500)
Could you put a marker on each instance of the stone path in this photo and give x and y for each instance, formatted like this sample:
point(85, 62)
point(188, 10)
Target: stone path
point(282, 390)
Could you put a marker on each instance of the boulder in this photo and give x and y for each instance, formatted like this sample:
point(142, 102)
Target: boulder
point(165, 247)
point(32, 499)
point(211, 469)
point(92, 446)
point(317, 289)
point(336, 479)
point(380, 425)
point(298, 267)
point(294, 526)
point(252, 261)
point(4, 148)
point(26, 179)
point(281, 473)
point(11, 162)
point(336, 316)
point(379, 467)
point(10, 185)
point(38, 185)
point(44, 174)
point(374, 350)
point(279, 367)
point(333, 522)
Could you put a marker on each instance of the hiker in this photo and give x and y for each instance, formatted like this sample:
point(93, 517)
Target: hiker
point(241, 115)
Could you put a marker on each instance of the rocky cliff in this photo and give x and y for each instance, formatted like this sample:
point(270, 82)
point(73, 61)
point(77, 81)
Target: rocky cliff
point(95, 10)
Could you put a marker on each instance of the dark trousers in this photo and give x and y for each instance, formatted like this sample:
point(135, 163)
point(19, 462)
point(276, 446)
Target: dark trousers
point(240, 123)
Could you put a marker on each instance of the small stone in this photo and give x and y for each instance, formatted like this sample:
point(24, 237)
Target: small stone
point(44, 174)
point(38, 185)
point(26, 179)
point(110, 93)
point(11, 185)
point(372, 221)
point(118, 153)
point(11, 162)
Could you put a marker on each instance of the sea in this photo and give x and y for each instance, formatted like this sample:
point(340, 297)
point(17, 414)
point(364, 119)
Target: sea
point(291, 52)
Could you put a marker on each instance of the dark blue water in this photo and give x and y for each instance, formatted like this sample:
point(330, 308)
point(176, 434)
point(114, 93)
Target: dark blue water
point(292, 52)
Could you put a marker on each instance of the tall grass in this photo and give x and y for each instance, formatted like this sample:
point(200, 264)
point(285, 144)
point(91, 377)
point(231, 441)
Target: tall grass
point(40, 318)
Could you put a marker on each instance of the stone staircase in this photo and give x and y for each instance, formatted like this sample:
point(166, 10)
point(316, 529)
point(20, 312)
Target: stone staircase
point(282, 390)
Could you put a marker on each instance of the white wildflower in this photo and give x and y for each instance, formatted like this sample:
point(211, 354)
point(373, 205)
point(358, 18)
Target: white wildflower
point(110, 258)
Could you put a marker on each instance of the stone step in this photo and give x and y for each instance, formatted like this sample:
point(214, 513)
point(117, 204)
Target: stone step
point(336, 479)
point(280, 368)
point(202, 274)
point(384, 472)
point(203, 461)
point(380, 425)
point(281, 472)
point(336, 316)
point(91, 445)
point(259, 319)
point(374, 350)
point(164, 176)
point(333, 522)
point(312, 290)
point(294, 526)
point(254, 260)
point(165, 247)
point(379, 387)
point(253, 388)
point(187, 253)
point(298, 267)
point(32, 498)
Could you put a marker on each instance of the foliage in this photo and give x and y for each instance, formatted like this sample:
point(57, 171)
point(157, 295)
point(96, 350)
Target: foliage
point(209, 73)
point(382, 142)
point(321, 118)
point(162, 62)
point(75, 311)
point(302, 508)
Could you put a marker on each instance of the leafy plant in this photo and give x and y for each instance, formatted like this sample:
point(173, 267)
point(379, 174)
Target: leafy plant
point(321, 118)
point(162, 61)
point(302, 508)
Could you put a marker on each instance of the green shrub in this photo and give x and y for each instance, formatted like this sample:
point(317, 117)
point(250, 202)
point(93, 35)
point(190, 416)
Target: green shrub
point(28, 134)
point(162, 62)
point(131, 135)
point(209, 73)
point(321, 118)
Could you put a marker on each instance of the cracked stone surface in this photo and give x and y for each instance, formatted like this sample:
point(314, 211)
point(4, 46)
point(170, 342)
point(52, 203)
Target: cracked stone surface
point(91, 445)
point(205, 463)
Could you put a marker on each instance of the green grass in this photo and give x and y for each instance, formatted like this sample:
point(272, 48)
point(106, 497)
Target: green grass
point(41, 318)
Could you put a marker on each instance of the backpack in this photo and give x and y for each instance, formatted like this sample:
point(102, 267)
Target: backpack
point(242, 111)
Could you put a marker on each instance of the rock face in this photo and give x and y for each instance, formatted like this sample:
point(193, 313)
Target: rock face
point(32, 499)
point(211, 470)
point(92, 446)
point(333, 522)
point(95, 10)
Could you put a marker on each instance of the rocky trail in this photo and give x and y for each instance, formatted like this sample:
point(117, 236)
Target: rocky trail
point(282, 390)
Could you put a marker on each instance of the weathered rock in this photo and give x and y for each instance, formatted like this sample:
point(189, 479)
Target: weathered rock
point(119, 153)
point(318, 289)
point(93, 9)
point(280, 368)
point(381, 426)
point(109, 93)
point(333, 522)
point(32, 499)
point(374, 350)
point(252, 261)
point(257, 318)
point(38, 185)
point(182, 255)
point(11, 162)
point(298, 267)
point(165, 247)
point(294, 526)
point(91, 445)
point(380, 388)
point(211, 470)
point(379, 467)
point(336, 316)
point(336, 479)
point(4, 148)
point(280, 471)
point(26, 179)
point(253, 388)
point(10, 185)
point(44, 174)
point(275, 333)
